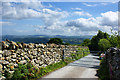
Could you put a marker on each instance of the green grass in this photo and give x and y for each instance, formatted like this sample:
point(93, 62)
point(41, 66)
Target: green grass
point(50, 68)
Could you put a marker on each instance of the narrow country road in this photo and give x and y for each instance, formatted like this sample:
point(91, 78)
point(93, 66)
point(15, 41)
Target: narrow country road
point(83, 68)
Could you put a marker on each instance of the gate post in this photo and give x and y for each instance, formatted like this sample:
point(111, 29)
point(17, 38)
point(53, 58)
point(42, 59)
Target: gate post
point(63, 53)
point(83, 53)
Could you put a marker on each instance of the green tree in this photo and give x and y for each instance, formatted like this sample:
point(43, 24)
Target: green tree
point(118, 42)
point(86, 42)
point(66, 43)
point(95, 39)
point(104, 44)
point(100, 34)
point(94, 43)
point(55, 40)
point(113, 40)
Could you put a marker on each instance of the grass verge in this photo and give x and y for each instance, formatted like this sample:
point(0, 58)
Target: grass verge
point(103, 71)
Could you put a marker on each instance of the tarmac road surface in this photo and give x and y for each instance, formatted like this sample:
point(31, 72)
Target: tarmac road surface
point(84, 69)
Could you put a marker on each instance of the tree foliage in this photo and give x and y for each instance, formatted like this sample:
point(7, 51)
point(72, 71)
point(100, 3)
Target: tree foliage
point(119, 41)
point(55, 40)
point(95, 39)
point(86, 42)
point(104, 44)
point(113, 39)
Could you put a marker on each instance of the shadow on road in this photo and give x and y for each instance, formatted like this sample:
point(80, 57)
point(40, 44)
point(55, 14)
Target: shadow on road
point(85, 65)
point(68, 79)
point(82, 69)
point(90, 61)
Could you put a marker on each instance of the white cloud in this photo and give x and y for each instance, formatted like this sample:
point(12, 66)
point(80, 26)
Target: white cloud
point(93, 5)
point(21, 31)
point(82, 13)
point(61, 0)
point(52, 19)
point(81, 26)
point(109, 19)
point(55, 13)
point(21, 14)
point(50, 6)
point(105, 3)
point(84, 24)
point(27, 10)
point(115, 2)
point(20, 0)
point(6, 23)
point(90, 5)
point(38, 26)
point(20, 10)
point(76, 8)
point(58, 9)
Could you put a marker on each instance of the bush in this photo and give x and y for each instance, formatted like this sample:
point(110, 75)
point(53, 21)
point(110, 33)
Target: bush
point(86, 42)
point(66, 43)
point(24, 72)
point(103, 71)
point(55, 41)
point(104, 44)
point(118, 42)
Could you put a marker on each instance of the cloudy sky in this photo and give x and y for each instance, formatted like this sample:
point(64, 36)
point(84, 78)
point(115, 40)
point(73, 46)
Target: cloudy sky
point(58, 18)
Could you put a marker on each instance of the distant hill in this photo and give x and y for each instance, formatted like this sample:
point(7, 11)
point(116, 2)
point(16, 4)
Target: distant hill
point(44, 38)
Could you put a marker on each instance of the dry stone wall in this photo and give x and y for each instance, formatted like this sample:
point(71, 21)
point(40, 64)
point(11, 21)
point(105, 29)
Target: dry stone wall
point(40, 55)
point(113, 59)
